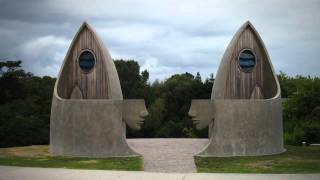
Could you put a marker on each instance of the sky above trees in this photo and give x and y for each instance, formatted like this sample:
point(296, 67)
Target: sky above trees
point(166, 37)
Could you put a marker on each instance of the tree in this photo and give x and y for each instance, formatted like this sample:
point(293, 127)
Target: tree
point(133, 83)
point(25, 105)
point(11, 84)
point(300, 108)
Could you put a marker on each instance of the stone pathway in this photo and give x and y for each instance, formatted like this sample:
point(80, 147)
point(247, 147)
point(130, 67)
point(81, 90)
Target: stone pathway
point(168, 154)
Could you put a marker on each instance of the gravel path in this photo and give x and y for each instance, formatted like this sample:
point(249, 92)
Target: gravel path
point(168, 155)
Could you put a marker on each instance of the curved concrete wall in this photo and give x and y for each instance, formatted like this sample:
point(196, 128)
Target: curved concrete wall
point(91, 123)
point(91, 128)
point(247, 111)
point(246, 128)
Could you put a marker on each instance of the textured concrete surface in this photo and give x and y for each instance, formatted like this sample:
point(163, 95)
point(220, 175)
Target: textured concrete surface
point(134, 113)
point(249, 128)
point(243, 126)
point(19, 173)
point(91, 128)
point(94, 126)
point(202, 112)
point(168, 155)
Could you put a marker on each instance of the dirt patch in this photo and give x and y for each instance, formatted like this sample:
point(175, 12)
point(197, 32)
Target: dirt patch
point(26, 151)
point(88, 162)
point(266, 164)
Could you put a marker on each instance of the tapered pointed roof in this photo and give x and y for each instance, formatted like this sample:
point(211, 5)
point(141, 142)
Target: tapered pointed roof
point(245, 38)
point(102, 83)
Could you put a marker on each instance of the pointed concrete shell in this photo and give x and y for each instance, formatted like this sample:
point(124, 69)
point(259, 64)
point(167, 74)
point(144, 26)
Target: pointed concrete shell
point(90, 126)
point(102, 82)
point(244, 126)
point(231, 82)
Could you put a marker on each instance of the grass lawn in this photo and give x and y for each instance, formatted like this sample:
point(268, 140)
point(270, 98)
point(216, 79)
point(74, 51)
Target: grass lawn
point(295, 160)
point(38, 156)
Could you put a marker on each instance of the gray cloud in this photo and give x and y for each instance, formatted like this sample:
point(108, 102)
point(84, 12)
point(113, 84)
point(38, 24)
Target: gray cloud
point(165, 37)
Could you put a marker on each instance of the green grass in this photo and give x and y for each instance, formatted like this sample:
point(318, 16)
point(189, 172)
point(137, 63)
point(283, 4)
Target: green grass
point(294, 160)
point(38, 156)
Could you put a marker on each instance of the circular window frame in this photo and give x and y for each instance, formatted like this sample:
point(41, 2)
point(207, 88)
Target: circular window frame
point(94, 57)
point(255, 60)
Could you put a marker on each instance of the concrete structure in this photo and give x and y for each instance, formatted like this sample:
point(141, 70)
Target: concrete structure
point(88, 114)
point(244, 114)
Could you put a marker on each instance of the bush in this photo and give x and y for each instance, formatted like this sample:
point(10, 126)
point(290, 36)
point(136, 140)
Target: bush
point(311, 132)
point(293, 134)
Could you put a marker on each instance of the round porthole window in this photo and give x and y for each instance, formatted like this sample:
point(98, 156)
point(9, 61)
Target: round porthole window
point(247, 60)
point(86, 61)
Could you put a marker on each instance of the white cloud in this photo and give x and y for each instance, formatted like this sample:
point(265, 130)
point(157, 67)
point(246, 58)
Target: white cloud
point(44, 54)
point(164, 36)
point(132, 33)
point(157, 70)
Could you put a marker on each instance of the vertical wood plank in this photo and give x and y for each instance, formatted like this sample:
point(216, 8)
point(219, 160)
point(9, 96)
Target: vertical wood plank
point(93, 85)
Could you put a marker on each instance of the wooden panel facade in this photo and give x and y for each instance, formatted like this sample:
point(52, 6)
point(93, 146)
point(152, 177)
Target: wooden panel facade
point(94, 84)
point(241, 84)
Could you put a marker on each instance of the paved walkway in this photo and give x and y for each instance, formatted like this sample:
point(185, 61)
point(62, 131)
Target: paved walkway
point(26, 173)
point(168, 155)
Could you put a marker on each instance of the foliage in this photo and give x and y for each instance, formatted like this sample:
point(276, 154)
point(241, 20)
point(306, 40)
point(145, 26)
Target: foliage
point(294, 160)
point(301, 109)
point(25, 103)
point(133, 84)
point(168, 101)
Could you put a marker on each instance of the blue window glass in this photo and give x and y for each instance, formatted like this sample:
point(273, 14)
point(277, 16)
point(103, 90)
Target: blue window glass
point(247, 60)
point(86, 61)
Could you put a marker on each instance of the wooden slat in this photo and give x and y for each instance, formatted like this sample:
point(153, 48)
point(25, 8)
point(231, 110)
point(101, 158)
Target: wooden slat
point(240, 84)
point(93, 85)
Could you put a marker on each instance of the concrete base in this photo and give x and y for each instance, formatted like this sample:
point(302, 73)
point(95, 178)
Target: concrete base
point(89, 128)
point(245, 127)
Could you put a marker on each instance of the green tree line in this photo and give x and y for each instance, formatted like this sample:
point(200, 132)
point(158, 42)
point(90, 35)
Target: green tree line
point(25, 103)
point(301, 108)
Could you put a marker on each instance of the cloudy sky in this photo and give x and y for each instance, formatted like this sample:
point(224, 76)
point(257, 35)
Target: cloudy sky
point(164, 36)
